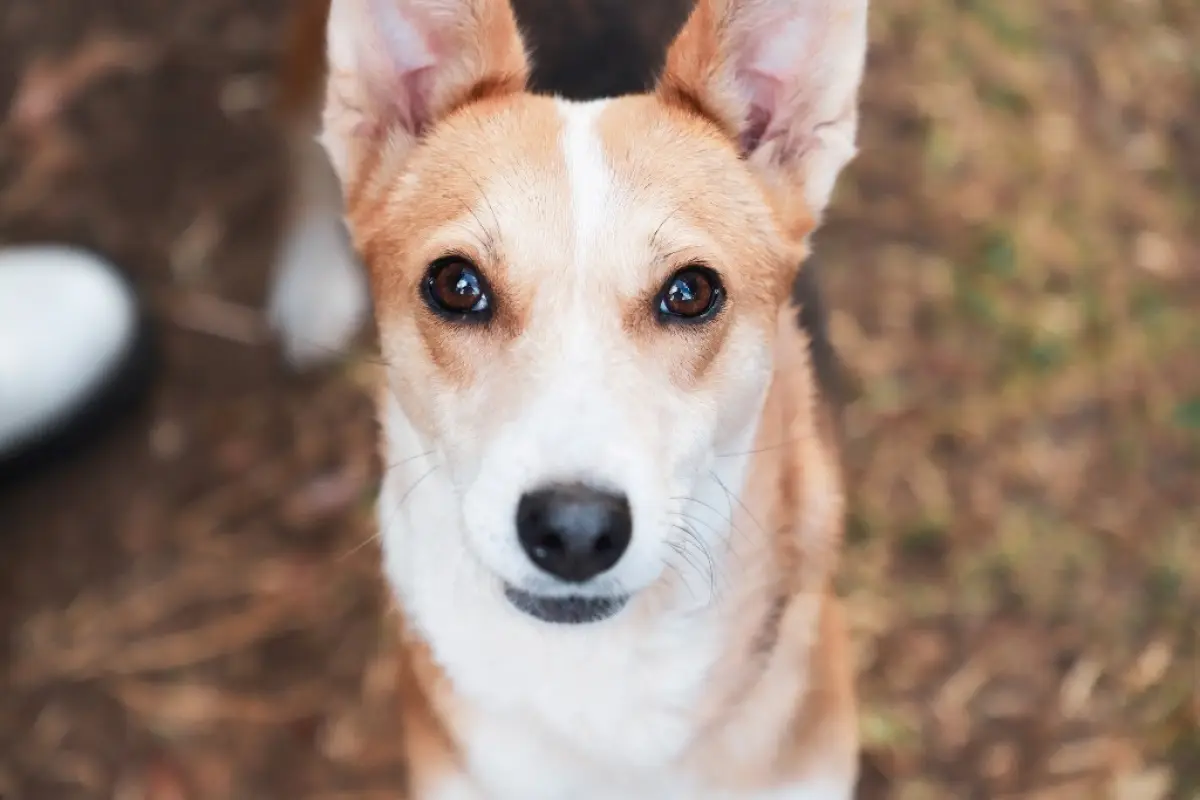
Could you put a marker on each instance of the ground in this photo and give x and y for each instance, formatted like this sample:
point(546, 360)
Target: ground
point(192, 609)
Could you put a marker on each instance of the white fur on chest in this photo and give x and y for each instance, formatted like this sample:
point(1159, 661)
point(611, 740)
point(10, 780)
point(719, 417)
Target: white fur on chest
point(824, 787)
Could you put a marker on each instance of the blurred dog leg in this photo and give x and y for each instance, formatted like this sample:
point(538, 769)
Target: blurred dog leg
point(318, 300)
point(319, 295)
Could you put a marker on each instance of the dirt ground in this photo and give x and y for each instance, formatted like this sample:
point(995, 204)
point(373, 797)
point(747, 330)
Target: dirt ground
point(192, 609)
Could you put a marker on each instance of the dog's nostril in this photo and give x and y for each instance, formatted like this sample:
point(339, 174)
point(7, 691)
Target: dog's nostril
point(552, 543)
point(574, 532)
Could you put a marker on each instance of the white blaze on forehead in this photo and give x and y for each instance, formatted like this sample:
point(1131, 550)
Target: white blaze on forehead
point(588, 173)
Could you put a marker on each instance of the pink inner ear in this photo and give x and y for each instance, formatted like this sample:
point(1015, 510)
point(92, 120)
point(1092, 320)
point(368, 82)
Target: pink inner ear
point(414, 110)
point(762, 95)
point(413, 48)
point(768, 47)
point(406, 33)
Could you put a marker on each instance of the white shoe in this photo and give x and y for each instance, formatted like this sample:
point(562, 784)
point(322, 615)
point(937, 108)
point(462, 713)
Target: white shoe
point(68, 323)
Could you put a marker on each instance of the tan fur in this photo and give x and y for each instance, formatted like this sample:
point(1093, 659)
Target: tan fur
point(779, 704)
point(792, 624)
point(430, 752)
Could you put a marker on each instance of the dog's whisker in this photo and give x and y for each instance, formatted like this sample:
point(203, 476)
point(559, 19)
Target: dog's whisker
point(378, 533)
point(716, 531)
point(730, 541)
point(486, 200)
point(732, 498)
point(668, 564)
point(683, 553)
point(358, 547)
point(794, 361)
point(726, 520)
point(661, 225)
point(683, 549)
point(696, 539)
point(403, 461)
point(764, 449)
point(415, 485)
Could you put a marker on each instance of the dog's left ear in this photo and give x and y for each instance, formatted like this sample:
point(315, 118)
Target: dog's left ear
point(781, 77)
point(397, 67)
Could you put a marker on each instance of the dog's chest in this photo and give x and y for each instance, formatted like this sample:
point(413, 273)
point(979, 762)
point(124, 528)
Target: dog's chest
point(507, 761)
point(557, 717)
point(603, 704)
point(512, 764)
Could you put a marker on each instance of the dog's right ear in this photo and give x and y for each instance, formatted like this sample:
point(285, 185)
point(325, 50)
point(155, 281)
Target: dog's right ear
point(781, 78)
point(396, 67)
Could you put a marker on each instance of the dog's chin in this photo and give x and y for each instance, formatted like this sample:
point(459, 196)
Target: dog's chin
point(568, 610)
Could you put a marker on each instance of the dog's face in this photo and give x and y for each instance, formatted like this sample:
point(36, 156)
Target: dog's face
point(578, 302)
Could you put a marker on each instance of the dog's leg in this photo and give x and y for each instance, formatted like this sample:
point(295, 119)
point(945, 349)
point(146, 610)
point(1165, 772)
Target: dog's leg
point(454, 787)
point(319, 296)
point(825, 787)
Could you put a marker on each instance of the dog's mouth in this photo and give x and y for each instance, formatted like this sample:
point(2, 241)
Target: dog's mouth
point(570, 610)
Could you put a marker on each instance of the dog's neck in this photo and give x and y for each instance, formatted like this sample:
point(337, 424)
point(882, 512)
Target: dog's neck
point(765, 518)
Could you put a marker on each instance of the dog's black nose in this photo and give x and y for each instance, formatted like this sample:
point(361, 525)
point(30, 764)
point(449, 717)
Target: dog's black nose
point(574, 532)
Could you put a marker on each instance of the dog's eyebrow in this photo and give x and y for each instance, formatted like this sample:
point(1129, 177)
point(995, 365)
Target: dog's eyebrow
point(683, 243)
point(489, 231)
point(658, 230)
point(481, 236)
point(688, 253)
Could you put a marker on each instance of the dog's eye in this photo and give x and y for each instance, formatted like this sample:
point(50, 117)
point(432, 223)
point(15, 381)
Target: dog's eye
point(693, 294)
point(455, 289)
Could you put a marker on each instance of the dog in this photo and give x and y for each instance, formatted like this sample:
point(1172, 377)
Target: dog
point(612, 503)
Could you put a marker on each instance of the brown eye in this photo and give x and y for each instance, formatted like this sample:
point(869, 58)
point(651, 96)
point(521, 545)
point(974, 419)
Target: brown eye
point(694, 294)
point(455, 289)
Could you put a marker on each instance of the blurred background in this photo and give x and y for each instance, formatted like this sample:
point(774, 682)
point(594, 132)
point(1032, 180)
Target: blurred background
point(190, 606)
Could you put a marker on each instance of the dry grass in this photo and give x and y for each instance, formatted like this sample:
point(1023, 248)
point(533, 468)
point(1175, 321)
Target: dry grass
point(1014, 262)
point(1025, 443)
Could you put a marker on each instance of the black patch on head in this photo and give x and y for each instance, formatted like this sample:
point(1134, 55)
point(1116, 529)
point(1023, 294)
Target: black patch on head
point(586, 49)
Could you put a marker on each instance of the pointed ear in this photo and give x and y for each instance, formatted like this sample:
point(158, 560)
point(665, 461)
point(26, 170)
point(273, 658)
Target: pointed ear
point(396, 67)
point(781, 77)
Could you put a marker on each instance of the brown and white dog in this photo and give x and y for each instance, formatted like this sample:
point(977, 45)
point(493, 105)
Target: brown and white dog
point(612, 505)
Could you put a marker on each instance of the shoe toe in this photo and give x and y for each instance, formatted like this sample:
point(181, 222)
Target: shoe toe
point(67, 319)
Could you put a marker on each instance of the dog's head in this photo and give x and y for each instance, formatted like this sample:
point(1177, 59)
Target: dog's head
point(578, 302)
